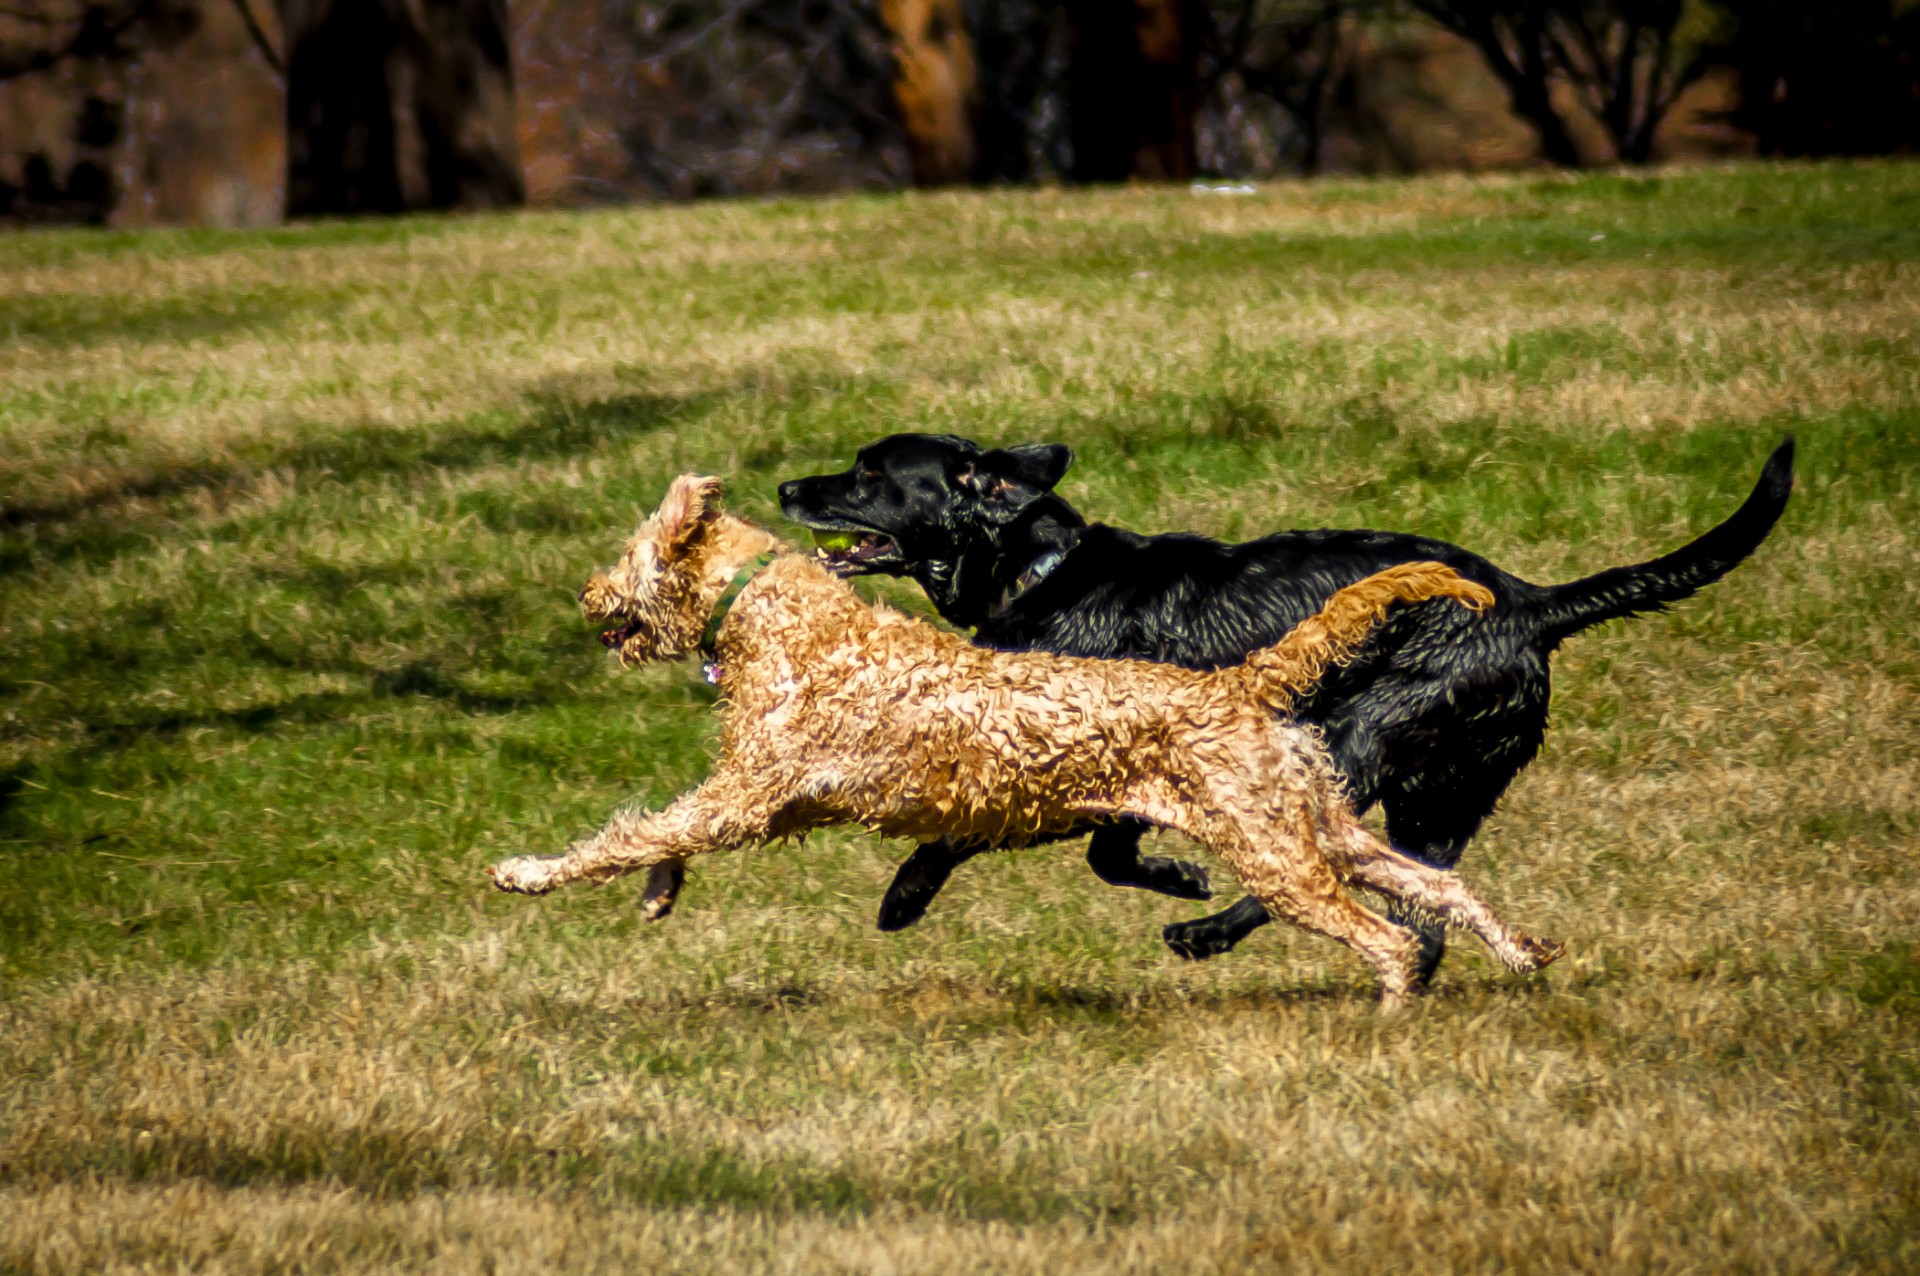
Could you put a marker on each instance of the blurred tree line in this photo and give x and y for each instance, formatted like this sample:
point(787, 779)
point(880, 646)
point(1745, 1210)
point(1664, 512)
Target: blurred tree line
point(388, 105)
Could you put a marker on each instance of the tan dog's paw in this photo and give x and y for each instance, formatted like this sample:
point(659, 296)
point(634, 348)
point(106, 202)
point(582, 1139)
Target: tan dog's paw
point(524, 875)
point(1542, 952)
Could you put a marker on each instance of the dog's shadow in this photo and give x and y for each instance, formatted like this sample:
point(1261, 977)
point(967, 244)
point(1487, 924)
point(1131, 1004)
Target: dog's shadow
point(1015, 1006)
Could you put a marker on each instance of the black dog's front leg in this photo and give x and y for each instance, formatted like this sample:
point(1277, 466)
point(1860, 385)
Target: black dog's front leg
point(1357, 756)
point(1115, 858)
point(919, 878)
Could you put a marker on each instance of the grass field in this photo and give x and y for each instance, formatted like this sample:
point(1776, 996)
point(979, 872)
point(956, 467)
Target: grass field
point(289, 525)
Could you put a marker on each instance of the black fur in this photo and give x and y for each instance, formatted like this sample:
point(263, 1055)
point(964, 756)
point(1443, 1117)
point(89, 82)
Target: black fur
point(1433, 720)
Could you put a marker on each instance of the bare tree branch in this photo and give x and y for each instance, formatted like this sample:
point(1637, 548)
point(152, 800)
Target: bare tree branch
point(260, 41)
point(96, 32)
point(1617, 56)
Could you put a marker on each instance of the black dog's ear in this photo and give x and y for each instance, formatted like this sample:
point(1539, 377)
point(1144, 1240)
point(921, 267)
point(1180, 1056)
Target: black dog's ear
point(1007, 480)
point(1016, 475)
point(1038, 465)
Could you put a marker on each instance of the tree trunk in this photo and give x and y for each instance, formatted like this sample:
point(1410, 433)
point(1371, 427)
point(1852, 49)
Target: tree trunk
point(1132, 86)
point(399, 104)
point(1010, 39)
point(1532, 102)
point(1522, 69)
point(934, 87)
point(1169, 89)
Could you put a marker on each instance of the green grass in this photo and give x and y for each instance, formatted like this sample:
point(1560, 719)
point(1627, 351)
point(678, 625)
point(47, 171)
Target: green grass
point(289, 527)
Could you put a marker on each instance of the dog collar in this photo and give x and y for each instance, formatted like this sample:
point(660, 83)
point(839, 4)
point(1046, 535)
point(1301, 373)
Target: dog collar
point(1038, 570)
point(711, 634)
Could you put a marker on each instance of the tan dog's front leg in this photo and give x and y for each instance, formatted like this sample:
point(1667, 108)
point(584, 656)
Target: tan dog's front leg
point(717, 816)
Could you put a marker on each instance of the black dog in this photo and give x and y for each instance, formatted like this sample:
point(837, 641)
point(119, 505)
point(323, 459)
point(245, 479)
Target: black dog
point(1433, 720)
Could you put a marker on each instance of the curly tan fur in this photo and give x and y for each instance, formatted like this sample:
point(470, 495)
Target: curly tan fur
point(838, 712)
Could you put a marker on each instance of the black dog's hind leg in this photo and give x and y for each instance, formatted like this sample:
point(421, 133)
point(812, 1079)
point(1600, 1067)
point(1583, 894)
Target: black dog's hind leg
point(1357, 755)
point(919, 878)
point(1428, 929)
point(1215, 933)
point(1115, 858)
point(1434, 811)
point(1218, 933)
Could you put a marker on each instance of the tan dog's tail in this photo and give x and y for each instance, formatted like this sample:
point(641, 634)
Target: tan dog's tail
point(1277, 674)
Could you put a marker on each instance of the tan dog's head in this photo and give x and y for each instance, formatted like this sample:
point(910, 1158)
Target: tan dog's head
point(658, 595)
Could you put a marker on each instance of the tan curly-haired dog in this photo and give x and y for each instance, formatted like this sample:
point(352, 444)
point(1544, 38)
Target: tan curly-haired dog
point(838, 712)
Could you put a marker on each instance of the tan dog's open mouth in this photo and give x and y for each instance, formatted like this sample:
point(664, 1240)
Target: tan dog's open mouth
point(614, 638)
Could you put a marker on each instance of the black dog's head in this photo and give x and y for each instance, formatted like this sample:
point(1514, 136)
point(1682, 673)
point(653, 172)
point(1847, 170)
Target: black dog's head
point(936, 507)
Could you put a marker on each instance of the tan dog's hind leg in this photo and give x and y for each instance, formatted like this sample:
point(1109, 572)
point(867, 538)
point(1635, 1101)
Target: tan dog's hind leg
point(721, 814)
point(1281, 864)
point(1373, 863)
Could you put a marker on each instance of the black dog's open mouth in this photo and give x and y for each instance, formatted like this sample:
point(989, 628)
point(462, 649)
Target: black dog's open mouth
point(853, 551)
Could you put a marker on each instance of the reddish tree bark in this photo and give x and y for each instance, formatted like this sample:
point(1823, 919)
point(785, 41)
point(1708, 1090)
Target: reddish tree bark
point(934, 87)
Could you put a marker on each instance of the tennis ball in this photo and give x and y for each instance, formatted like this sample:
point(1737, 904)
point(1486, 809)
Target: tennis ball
point(835, 540)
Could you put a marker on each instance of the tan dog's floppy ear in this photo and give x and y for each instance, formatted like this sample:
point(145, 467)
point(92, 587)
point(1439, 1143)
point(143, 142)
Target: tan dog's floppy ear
point(691, 503)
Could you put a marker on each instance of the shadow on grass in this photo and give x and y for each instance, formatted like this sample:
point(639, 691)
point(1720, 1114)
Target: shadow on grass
point(99, 520)
point(986, 1002)
point(419, 678)
point(397, 1162)
point(127, 511)
point(61, 320)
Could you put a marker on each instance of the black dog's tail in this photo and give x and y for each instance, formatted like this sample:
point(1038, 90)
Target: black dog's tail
point(1629, 591)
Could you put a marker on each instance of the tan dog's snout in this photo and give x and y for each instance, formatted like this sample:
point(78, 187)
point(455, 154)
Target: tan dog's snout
point(596, 598)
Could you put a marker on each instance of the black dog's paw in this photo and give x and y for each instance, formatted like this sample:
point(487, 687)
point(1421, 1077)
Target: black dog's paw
point(663, 889)
point(902, 906)
point(1207, 937)
point(1433, 949)
point(1198, 940)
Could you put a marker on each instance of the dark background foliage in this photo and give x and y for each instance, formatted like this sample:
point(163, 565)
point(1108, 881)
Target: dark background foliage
point(241, 111)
